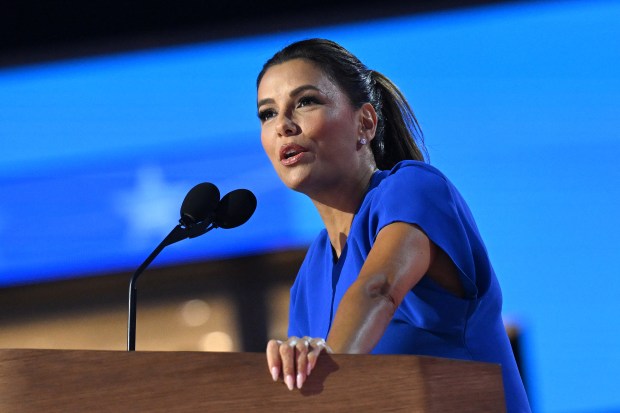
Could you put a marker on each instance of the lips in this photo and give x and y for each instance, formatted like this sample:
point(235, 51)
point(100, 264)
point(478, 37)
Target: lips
point(291, 153)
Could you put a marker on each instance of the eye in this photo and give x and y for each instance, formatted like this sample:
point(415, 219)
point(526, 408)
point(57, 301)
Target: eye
point(266, 114)
point(307, 101)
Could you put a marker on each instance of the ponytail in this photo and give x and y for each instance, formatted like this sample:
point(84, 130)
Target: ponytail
point(398, 136)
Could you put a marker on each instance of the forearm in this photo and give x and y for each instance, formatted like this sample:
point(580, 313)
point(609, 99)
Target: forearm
point(362, 317)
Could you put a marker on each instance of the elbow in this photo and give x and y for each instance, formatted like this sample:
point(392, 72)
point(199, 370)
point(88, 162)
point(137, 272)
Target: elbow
point(380, 291)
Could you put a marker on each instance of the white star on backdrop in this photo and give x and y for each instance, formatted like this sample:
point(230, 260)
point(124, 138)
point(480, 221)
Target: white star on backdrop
point(151, 207)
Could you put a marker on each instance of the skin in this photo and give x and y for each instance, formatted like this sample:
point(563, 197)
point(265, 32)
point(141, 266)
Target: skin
point(302, 109)
point(298, 104)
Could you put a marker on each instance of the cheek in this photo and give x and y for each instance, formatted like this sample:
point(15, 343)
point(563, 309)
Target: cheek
point(268, 146)
point(264, 141)
point(336, 132)
point(320, 127)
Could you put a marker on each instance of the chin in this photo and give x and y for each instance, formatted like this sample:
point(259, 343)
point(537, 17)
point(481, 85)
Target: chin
point(295, 185)
point(296, 182)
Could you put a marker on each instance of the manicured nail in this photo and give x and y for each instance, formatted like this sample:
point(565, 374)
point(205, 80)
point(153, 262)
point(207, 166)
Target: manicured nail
point(289, 381)
point(274, 373)
point(300, 380)
point(309, 369)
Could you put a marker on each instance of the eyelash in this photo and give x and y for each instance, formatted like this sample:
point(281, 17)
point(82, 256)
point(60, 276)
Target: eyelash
point(263, 115)
point(305, 100)
point(266, 114)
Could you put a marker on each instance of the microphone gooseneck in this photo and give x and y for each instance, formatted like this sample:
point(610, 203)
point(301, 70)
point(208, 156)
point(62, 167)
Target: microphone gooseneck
point(201, 211)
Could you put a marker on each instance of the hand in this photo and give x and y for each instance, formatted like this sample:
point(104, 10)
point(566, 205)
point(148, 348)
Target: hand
point(295, 357)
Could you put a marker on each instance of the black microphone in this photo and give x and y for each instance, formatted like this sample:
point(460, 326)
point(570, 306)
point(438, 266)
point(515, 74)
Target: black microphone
point(198, 209)
point(201, 212)
point(197, 213)
point(199, 203)
point(235, 209)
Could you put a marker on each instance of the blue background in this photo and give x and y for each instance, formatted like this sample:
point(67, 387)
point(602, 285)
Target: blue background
point(520, 105)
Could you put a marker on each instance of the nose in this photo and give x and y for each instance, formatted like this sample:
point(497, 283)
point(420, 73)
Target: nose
point(285, 126)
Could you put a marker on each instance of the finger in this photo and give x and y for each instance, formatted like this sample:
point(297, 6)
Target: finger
point(302, 360)
point(317, 345)
point(273, 358)
point(287, 357)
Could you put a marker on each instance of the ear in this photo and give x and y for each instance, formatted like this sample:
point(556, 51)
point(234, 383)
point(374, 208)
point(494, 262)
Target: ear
point(368, 121)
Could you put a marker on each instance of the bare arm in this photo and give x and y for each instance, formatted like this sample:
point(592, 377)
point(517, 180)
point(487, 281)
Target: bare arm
point(400, 257)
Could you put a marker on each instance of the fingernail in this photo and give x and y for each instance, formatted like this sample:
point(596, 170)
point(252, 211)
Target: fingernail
point(289, 381)
point(300, 380)
point(274, 373)
point(309, 369)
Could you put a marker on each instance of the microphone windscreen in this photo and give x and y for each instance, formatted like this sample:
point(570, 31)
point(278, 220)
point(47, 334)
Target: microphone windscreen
point(200, 202)
point(235, 208)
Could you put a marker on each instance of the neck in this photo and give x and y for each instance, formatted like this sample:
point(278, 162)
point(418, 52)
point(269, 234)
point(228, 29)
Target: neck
point(337, 207)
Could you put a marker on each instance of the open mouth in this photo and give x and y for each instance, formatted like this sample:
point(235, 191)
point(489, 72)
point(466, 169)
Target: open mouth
point(290, 154)
point(290, 151)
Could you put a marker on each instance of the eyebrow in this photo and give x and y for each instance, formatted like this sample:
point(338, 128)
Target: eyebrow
point(294, 92)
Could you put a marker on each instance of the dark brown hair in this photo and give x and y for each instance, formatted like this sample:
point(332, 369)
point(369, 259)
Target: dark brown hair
point(398, 135)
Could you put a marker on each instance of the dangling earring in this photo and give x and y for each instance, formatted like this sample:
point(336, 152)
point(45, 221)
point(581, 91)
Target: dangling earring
point(363, 141)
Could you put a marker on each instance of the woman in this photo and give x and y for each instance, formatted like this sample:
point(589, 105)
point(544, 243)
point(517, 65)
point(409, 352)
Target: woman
point(400, 267)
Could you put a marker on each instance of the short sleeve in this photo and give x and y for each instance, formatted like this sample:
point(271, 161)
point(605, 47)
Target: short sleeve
point(416, 193)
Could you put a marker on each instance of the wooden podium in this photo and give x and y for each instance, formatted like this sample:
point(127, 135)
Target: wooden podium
point(69, 381)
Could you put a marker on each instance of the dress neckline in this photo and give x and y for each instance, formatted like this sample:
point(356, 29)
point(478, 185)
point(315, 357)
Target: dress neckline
point(372, 183)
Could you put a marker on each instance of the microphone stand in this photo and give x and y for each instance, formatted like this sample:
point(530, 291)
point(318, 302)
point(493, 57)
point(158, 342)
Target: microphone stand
point(177, 234)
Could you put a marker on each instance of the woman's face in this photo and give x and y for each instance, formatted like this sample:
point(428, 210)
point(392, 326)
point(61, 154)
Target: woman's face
point(309, 129)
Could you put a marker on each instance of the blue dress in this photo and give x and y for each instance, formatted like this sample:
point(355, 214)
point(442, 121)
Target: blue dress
point(430, 321)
